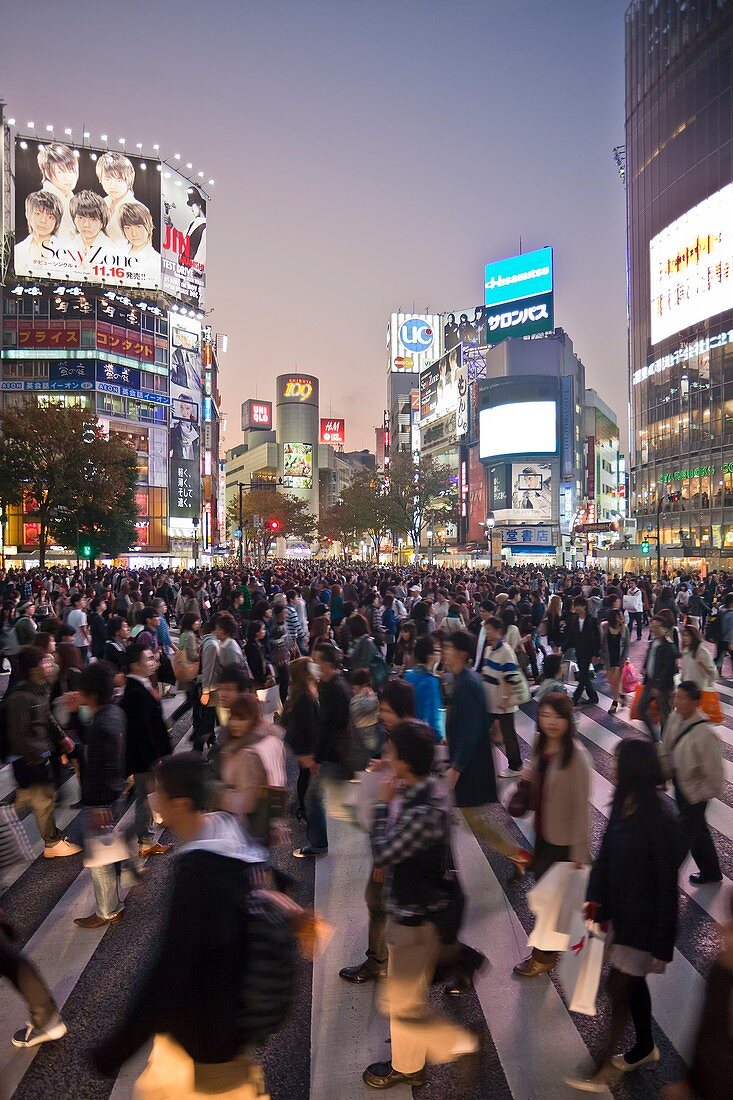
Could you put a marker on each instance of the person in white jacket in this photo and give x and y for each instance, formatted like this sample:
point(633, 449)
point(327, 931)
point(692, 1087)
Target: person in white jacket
point(697, 660)
point(633, 605)
point(692, 757)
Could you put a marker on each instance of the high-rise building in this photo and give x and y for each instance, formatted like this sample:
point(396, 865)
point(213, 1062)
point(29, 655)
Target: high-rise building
point(102, 308)
point(679, 188)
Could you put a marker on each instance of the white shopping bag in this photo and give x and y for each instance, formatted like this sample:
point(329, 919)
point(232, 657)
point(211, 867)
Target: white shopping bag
point(558, 895)
point(581, 965)
point(269, 699)
point(569, 672)
point(367, 794)
point(109, 846)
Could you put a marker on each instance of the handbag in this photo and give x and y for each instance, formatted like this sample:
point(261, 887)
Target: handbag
point(184, 670)
point(447, 913)
point(581, 965)
point(523, 799)
point(105, 847)
point(629, 678)
point(711, 707)
point(15, 846)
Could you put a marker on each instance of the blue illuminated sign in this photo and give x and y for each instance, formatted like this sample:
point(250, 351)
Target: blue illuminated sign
point(518, 277)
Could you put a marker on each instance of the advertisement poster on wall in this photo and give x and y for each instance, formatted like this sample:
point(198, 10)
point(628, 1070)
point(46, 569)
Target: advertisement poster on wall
point(183, 247)
point(477, 507)
point(297, 466)
point(466, 326)
point(184, 494)
point(86, 215)
point(532, 491)
point(413, 340)
point(441, 387)
point(332, 431)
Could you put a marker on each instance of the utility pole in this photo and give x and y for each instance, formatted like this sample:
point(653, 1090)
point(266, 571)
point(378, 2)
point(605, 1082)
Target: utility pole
point(241, 525)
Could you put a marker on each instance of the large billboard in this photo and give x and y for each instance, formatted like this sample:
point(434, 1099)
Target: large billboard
point(441, 386)
point(691, 266)
point(521, 492)
point(183, 247)
point(185, 438)
point(524, 317)
point(332, 431)
point(518, 277)
point(86, 215)
point(517, 428)
point(413, 341)
point(464, 326)
point(297, 466)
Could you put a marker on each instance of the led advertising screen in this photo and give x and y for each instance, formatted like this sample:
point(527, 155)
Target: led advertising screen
point(522, 427)
point(184, 496)
point(297, 466)
point(332, 431)
point(691, 266)
point(525, 317)
point(257, 415)
point(183, 247)
point(519, 277)
point(86, 215)
point(413, 341)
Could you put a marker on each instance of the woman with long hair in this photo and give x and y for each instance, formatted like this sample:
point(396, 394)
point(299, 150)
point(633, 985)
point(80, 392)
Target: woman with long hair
point(554, 624)
point(615, 641)
point(300, 720)
point(190, 643)
point(560, 775)
point(404, 653)
point(697, 661)
point(633, 889)
point(363, 649)
point(254, 651)
point(252, 767)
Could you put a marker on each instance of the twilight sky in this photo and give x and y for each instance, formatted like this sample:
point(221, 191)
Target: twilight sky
point(367, 156)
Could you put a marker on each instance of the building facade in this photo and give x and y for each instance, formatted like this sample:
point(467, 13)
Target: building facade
point(679, 173)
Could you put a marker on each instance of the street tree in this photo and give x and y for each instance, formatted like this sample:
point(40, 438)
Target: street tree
point(339, 524)
point(290, 514)
point(57, 461)
point(419, 488)
point(367, 499)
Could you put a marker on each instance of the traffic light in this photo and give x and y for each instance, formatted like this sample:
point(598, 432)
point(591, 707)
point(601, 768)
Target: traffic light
point(273, 525)
point(645, 547)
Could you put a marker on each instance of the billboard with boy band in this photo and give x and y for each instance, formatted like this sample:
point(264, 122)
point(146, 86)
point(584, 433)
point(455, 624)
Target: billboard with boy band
point(107, 217)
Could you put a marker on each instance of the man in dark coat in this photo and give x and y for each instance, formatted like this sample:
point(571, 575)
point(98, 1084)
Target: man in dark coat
point(583, 636)
point(471, 773)
point(660, 666)
point(147, 741)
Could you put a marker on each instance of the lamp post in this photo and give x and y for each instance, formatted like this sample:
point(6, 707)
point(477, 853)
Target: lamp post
point(430, 546)
point(489, 525)
point(240, 486)
point(670, 498)
point(195, 547)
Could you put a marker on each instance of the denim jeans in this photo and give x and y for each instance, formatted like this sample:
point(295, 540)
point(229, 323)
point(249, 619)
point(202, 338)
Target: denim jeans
point(315, 815)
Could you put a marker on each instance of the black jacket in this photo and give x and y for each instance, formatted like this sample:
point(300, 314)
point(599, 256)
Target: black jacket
point(103, 776)
point(634, 880)
point(257, 662)
point(147, 737)
point(665, 665)
point(193, 990)
point(333, 721)
point(301, 726)
point(585, 642)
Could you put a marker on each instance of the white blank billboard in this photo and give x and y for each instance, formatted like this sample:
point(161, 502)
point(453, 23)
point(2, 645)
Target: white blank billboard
point(520, 428)
point(691, 266)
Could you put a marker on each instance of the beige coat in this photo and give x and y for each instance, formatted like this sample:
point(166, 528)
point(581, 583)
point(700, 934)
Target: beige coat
point(566, 803)
point(696, 761)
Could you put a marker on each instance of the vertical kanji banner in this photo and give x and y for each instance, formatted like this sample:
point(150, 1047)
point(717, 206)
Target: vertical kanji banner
point(184, 491)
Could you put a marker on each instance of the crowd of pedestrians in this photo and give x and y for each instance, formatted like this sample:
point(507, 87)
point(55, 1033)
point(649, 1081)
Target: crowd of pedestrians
point(407, 681)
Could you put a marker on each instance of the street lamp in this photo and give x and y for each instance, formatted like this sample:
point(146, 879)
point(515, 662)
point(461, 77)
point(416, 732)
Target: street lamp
point(489, 525)
point(430, 546)
point(195, 547)
point(670, 498)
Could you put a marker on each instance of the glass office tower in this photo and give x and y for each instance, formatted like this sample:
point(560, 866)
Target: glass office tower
point(679, 185)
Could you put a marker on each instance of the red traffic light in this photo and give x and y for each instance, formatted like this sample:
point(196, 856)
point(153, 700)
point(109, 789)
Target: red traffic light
point(274, 525)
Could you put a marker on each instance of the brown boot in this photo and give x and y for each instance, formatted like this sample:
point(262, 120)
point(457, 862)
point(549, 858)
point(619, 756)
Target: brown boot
point(539, 962)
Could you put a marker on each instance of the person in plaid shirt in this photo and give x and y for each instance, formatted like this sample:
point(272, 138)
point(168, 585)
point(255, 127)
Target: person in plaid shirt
point(414, 850)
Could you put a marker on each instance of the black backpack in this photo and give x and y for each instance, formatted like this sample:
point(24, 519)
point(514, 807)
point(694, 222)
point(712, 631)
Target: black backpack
point(268, 977)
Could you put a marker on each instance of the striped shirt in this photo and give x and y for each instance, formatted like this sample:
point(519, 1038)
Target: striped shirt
point(499, 670)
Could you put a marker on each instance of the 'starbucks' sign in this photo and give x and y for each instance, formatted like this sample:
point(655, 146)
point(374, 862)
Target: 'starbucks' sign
point(698, 471)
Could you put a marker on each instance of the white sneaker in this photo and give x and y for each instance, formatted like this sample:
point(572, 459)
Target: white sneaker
point(30, 1036)
point(509, 773)
point(61, 848)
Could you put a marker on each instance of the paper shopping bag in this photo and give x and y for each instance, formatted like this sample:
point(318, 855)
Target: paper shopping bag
point(554, 900)
point(109, 846)
point(581, 965)
point(269, 699)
